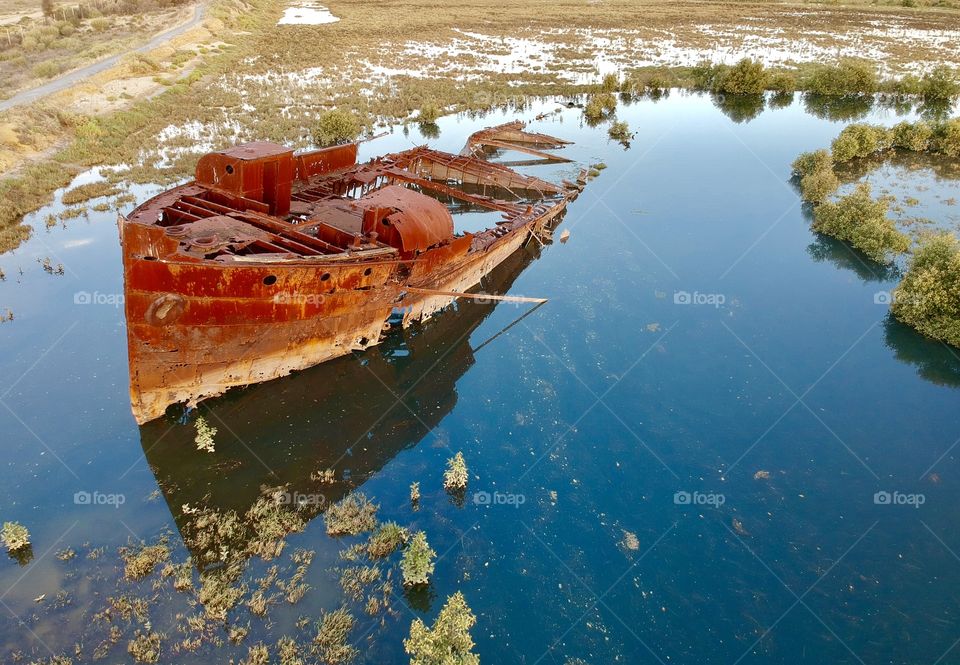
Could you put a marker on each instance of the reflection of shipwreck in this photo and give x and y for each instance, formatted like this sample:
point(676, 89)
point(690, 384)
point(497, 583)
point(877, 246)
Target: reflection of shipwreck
point(283, 434)
point(270, 261)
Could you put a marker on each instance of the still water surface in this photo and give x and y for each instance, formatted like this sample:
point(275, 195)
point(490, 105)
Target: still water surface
point(708, 376)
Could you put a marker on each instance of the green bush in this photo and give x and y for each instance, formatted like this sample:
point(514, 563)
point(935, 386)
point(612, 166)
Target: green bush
point(862, 221)
point(619, 131)
point(449, 641)
point(747, 77)
point(908, 85)
point(940, 84)
point(849, 77)
point(46, 70)
point(811, 162)
point(704, 74)
point(610, 83)
point(818, 186)
point(782, 82)
point(417, 563)
point(429, 113)
point(335, 127)
point(860, 140)
point(912, 136)
point(599, 105)
point(946, 138)
point(928, 298)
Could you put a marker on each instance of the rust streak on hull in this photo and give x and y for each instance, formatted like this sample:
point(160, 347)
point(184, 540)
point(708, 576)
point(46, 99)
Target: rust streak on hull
point(270, 262)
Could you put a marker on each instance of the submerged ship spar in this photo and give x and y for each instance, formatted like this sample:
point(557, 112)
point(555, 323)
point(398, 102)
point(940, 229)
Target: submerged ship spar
point(271, 261)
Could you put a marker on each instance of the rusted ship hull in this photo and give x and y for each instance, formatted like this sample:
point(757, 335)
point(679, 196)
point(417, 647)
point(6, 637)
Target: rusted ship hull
point(272, 262)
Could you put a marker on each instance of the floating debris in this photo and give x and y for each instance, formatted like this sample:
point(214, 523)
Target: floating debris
point(630, 540)
point(761, 475)
point(739, 528)
point(565, 236)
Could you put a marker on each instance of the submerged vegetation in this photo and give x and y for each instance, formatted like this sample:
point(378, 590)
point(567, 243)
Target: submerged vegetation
point(351, 515)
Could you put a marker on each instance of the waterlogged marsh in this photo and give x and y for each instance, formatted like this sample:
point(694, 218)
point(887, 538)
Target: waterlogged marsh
point(698, 423)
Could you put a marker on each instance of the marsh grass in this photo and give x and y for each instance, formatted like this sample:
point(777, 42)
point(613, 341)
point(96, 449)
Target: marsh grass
point(352, 515)
point(83, 193)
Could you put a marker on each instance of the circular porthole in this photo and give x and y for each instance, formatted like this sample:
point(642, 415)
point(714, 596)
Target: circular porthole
point(229, 169)
point(324, 277)
point(366, 273)
point(270, 280)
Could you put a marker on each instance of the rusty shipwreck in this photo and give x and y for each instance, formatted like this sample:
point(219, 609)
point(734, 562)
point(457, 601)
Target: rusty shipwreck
point(272, 261)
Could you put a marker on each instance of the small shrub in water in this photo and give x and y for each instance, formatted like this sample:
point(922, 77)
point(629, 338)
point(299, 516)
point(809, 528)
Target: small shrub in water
point(819, 185)
point(15, 536)
point(351, 515)
point(205, 435)
point(782, 82)
point(940, 84)
point(456, 475)
point(747, 77)
point(600, 105)
point(610, 83)
point(449, 641)
point(860, 140)
point(849, 77)
point(928, 297)
point(946, 139)
point(912, 136)
point(619, 131)
point(428, 114)
point(145, 647)
point(811, 162)
point(417, 564)
point(414, 493)
point(862, 221)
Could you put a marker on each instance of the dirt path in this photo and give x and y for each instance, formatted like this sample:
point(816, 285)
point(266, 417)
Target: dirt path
point(68, 80)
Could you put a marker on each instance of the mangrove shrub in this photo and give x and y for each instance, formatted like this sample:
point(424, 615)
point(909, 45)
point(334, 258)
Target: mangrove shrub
point(335, 127)
point(848, 77)
point(928, 298)
point(747, 77)
point(862, 221)
point(860, 140)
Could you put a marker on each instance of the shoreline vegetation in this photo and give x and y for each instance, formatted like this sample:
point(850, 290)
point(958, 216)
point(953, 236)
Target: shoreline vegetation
point(928, 296)
point(237, 88)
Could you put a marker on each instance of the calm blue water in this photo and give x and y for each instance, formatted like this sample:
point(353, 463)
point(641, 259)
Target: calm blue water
point(708, 377)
